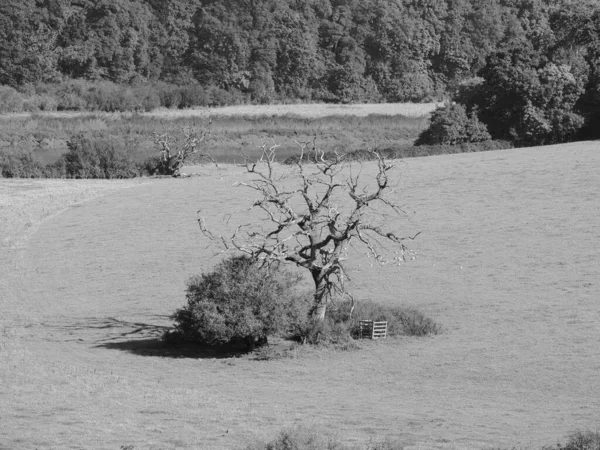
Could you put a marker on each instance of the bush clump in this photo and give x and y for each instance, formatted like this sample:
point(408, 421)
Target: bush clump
point(10, 100)
point(92, 156)
point(402, 320)
point(312, 439)
point(451, 125)
point(341, 325)
point(23, 165)
point(580, 440)
point(239, 302)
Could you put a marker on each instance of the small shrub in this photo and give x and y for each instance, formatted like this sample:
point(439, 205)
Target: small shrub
point(581, 440)
point(451, 125)
point(42, 102)
point(10, 100)
point(300, 439)
point(326, 333)
point(169, 95)
point(193, 95)
point(147, 99)
point(109, 97)
point(71, 95)
point(20, 166)
point(303, 438)
point(91, 156)
point(402, 321)
point(238, 302)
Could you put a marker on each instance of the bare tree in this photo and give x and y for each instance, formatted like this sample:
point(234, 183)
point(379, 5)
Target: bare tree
point(175, 151)
point(312, 223)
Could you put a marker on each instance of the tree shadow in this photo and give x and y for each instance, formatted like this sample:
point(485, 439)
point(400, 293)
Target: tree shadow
point(157, 347)
point(145, 339)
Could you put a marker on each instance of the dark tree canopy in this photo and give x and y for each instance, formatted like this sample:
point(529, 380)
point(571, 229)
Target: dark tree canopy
point(319, 50)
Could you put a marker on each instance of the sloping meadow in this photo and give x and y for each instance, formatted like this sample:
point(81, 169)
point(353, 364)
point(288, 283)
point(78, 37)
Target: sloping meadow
point(506, 262)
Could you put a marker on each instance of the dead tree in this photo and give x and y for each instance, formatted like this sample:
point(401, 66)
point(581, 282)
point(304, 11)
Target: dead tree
point(311, 216)
point(175, 151)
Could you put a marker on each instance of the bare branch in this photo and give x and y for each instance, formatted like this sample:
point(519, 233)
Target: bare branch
point(311, 214)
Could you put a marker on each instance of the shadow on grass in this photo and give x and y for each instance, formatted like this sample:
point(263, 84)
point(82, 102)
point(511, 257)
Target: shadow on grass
point(145, 339)
point(157, 347)
point(138, 338)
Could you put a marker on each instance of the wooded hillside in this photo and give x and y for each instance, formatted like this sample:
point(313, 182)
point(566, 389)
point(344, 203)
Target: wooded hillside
point(275, 50)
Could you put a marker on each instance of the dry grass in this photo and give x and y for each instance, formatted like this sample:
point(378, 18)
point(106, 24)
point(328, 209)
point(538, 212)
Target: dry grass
point(507, 263)
point(312, 110)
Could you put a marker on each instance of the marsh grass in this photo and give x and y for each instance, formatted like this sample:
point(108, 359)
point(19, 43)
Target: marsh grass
point(233, 130)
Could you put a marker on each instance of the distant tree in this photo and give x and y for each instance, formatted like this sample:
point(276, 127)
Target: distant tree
point(528, 99)
point(451, 125)
point(111, 39)
point(177, 150)
point(28, 47)
point(576, 25)
point(312, 216)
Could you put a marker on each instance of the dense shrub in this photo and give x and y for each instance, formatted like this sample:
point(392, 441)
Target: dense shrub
point(313, 439)
point(451, 125)
point(580, 440)
point(70, 95)
point(147, 99)
point(10, 100)
point(340, 328)
point(528, 99)
point(193, 95)
point(93, 156)
point(43, 102)
point(23, 165)
point(238, 302)
point(402, 321)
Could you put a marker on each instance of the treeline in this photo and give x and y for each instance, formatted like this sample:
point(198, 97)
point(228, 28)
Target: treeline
point(73, 54)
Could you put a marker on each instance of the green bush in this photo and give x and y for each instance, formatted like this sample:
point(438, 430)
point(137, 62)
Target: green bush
point(110, 97)
point(300, 439)
point(70, 95)
point(169, 95)
point(193, 95)
point(340, 328)
point(238, 302)
point(147, 99)
point(402, 321)
point(313, 439)
point(10, 100)
point(24, 165)
point(580, 440)
point(43, 102)
point(92, 156)
point(450, 125)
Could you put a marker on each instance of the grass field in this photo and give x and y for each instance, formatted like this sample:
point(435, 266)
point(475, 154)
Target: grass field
point(507, 262)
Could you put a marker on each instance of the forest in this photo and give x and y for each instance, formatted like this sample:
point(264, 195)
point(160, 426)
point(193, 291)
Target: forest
point(261, 51)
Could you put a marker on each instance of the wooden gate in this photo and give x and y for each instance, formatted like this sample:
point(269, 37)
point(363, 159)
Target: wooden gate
point(373, 330)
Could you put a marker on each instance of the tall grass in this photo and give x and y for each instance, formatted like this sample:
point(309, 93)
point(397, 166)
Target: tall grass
point(46, 136)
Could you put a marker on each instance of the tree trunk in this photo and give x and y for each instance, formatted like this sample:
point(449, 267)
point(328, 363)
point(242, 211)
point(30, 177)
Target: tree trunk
point(320, 302)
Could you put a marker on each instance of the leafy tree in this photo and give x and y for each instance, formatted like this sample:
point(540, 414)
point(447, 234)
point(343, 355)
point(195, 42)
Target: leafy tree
point(576, 26)
point(450, 125)
point(28, 51)
point(92, 156)
point(528, 99)
point(111, 39)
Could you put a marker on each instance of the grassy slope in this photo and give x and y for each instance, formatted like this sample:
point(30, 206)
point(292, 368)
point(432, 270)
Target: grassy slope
point(507, 262)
